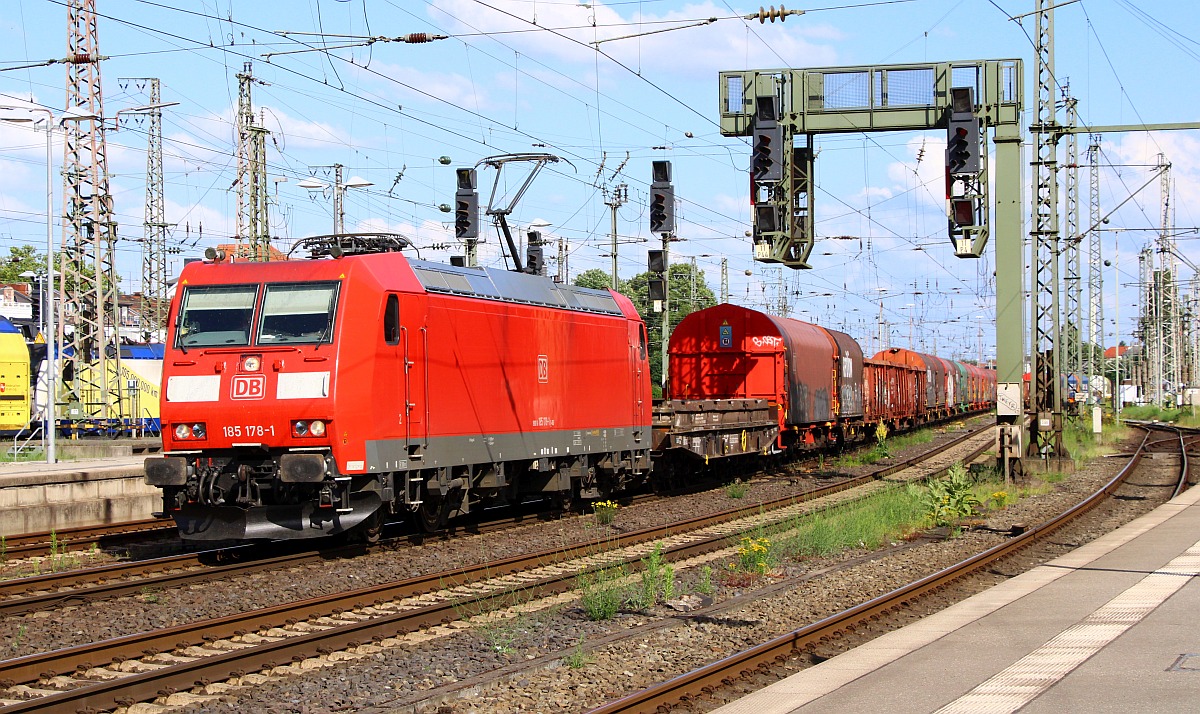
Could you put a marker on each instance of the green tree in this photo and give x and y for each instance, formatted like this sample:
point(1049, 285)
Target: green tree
point(594, 278)
point(686, 297)
point(22, 259)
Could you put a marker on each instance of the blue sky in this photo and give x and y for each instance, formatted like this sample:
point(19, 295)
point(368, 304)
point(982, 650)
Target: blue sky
point(522, 75)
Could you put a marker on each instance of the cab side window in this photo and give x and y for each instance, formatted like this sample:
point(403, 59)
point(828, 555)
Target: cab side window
point(391, 320)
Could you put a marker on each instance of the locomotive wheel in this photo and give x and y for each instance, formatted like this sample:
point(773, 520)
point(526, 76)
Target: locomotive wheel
point(431, 515)
point(371, 529)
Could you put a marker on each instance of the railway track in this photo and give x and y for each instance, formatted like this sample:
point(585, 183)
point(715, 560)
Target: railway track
point(54, 542)
point(72, 587)
point(216, 650)
point(713, 676)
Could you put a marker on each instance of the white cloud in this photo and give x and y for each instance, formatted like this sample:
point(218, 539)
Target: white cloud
point(695, 51)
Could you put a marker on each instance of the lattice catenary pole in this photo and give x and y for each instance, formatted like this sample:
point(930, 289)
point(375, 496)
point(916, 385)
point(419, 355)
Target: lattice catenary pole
point(1073, 364)
point(89, 283)
point(154, 238)
point(1095, 264)
point(1046, 392)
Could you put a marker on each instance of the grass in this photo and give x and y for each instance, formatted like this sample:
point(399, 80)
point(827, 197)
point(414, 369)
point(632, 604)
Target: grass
point(1184, 416)
point(6, 457)
point(869, 523)
point(735, 489)
point(578, 659)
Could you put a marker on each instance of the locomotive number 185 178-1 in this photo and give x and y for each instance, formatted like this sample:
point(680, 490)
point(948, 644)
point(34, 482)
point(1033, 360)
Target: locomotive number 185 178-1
point(236, 430)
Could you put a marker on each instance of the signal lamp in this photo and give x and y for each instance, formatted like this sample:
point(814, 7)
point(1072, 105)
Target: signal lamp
point(252, 363)
point(317, 427)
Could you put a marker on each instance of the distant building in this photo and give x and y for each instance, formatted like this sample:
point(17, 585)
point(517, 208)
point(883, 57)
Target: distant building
point(16, 301)
point(235, 255)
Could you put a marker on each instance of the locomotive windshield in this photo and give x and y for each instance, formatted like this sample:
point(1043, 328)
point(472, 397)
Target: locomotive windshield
point(298, 314)
point(216, 315)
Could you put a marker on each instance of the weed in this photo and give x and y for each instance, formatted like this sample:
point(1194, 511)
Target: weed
point(754, 556)
point(657, 578)
point(735, 489)
point(881, 434)
point(578, 659)
point(999, 499)
point(54, 544)
point(601, 592)
point(150, 595)
point(501, 634)
point(705, 586)
point(18, 638)
point(3, 550)
point(605, 511)
point(950, 499)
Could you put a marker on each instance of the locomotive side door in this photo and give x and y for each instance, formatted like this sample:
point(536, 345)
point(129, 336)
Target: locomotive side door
point(414, 339)
point(397, 371)
point(639, 382)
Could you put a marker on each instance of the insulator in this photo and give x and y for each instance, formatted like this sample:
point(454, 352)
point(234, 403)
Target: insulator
point(771, 13)
point(80, 58)
point(417, 38)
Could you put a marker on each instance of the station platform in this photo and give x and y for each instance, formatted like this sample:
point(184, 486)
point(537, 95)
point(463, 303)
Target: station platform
point(1109, 627)
point(37, 497)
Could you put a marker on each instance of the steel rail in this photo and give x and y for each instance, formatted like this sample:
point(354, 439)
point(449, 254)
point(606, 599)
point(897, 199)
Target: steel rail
point(26, 545)
point(222, 666)
point(663, 696)
point(1182, 484)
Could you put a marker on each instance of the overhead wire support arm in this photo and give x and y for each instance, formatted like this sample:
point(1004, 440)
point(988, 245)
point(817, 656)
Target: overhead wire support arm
point(763, 14)
point(413, 38)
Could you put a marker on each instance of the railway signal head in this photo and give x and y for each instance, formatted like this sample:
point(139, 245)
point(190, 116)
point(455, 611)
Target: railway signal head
point(962, 146)
point(766, 162)
point(466, 214)
point(656, 261)
point(466, 179)
point(662, 209)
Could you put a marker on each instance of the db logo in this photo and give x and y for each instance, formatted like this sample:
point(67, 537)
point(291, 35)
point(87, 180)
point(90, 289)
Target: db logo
point(543, 369)
point(252, 386)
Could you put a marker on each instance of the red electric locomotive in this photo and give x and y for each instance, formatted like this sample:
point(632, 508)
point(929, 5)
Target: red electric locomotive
point(304, 398)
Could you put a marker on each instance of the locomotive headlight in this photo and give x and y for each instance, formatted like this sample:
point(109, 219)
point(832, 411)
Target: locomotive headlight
point(308, 428)
point(251, 363)
point(197, 430)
